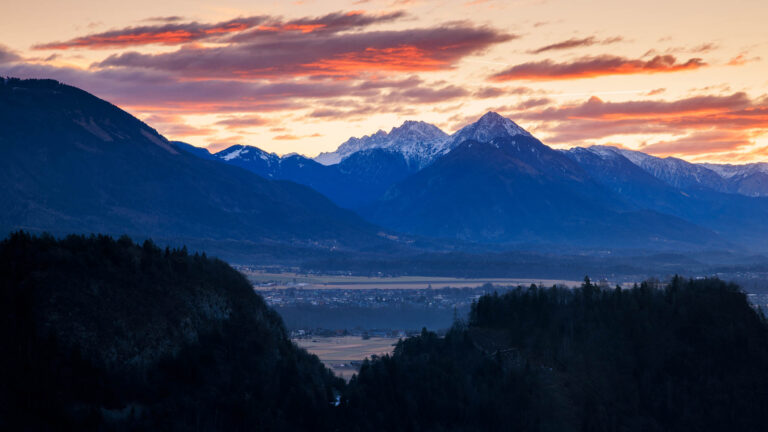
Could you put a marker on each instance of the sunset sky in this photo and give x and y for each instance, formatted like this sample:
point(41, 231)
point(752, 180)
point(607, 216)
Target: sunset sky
point(681, 78)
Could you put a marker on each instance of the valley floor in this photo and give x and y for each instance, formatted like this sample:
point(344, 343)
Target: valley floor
point(344, 355)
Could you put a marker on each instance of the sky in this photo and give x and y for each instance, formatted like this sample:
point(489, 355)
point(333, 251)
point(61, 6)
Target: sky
point(671, 78)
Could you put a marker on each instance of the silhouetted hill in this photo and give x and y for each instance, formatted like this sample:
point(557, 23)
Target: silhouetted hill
point(103, 334)
point(689, 356)
point(70, 162)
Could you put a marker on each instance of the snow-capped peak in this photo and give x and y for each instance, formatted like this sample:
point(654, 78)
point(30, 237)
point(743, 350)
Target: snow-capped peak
point(605, 152)
point(730, 171)
point(242, 152)
point(417, 141)
point(232, 152)
point(674, 171)
point(490, 125)
point(420, 143)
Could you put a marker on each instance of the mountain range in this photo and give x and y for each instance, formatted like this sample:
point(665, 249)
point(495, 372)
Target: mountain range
point(74, 163)
point(492, 181)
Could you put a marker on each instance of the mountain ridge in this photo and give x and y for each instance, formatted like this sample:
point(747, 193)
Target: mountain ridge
point(516, 189)
point(668, 191)
point(747, 179)
point(74, 163)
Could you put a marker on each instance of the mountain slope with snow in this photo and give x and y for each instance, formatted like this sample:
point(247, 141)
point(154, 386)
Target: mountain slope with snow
point(492, 181)
point(676, 172)
point(491, 125)
point(417, 141)
point(734, 216)
point(749, 179)
point(357, 180)
point(514, 189)
point(421, 143)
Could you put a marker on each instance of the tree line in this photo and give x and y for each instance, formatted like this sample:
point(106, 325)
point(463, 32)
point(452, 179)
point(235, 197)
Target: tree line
point(105, 334)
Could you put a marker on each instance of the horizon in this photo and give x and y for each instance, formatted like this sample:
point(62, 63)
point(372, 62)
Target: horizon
point(304, 77)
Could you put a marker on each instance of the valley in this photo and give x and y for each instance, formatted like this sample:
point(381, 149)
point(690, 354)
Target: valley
point(383, 215)
point(344, 354)
point(272, 281)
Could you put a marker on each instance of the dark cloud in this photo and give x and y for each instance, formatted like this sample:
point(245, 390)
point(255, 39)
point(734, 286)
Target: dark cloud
point(167, 34)
point(149, 91)
point(697, 49)
point(426, 94)
point(492, 92)
point(589, 67)
point(576, 43)
point(328, 113)
point(533, 103)
point(8, 56)
point(330, 23)
point(166, 19)
point(239, 122)
point(327, 55)
point(158, 91)
point(170, 32)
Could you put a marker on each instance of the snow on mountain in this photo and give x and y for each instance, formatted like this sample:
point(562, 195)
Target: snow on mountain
point(417, 141)
point(420, 143)
point(247, 153)
point(729, 171)
point(674, 171)
point(490, 125)
point(749, 179)
point(603, 152)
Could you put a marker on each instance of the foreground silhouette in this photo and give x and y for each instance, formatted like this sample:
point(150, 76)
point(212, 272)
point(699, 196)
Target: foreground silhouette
point(104, 334)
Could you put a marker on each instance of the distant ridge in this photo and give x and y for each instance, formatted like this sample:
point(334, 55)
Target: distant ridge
point(482, 185)
point(70, 162)
point(417, 141)
point(515, 189)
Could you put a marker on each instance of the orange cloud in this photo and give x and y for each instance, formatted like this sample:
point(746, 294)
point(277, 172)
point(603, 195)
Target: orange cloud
point(171, 32)
point(704, 124)
point(596, 108)
point(166, 34)
point(402, 58)
point(319, 54)
point(742, 59)
point(712, 141)
point(591, 67)
point(290, 137)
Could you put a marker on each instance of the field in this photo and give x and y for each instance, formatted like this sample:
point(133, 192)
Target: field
point(339, 353)
point(287, 280)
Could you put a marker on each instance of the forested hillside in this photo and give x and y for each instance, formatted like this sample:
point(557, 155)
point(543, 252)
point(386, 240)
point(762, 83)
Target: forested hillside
point(104, 334)
point(101, 334)
point(689, 356)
